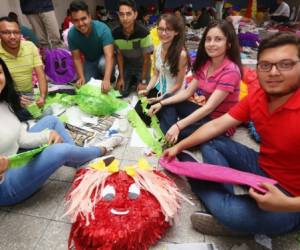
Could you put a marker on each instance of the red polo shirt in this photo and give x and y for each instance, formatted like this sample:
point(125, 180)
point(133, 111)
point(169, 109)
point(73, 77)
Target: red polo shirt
point(280, 136)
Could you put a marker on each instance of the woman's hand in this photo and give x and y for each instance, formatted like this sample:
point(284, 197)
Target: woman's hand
point(143, 92)
point(154, 109)
point(54, 137)
point(273, 200)
point(172, 134)
point(170, 153)
point(3, 164)
point(155, 99)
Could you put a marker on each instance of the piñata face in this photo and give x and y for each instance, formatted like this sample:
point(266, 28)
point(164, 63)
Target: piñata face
point(59, 66)
point(126, 217)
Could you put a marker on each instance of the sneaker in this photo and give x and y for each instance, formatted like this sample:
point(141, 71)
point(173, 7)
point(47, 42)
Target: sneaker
point(94, 140)
point(111, 142)
point(206, 224)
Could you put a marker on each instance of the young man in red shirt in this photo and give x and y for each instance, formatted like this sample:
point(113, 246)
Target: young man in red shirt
point(275, 110)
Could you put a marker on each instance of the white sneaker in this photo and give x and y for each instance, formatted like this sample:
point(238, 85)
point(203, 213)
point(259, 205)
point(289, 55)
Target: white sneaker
point(111, 142)
point(94, 141)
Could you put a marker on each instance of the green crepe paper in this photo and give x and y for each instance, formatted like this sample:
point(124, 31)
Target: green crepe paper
point(143, 132)
point(34, 110)
point(19, 160)
point(154, 122)
point(91, 100)
point(63, 99)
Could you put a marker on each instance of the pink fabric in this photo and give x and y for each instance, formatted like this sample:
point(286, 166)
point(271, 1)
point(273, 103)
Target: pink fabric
point(215, 173)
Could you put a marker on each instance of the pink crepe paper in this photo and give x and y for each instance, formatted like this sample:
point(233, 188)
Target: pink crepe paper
point(215, 173)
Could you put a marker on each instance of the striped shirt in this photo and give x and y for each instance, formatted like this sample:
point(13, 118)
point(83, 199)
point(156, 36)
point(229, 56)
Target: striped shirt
point(227, 78)
point(22, 65)
point(136, 45)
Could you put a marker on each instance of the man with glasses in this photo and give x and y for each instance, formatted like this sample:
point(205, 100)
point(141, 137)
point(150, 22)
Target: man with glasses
point(275, 110)
point(93, 40)
point(134, 45)
point(22, 58)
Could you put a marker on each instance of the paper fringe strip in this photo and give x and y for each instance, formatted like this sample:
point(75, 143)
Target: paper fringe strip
point(215, 173)
point(154, 121)
point(143, 132)
point(19, 160)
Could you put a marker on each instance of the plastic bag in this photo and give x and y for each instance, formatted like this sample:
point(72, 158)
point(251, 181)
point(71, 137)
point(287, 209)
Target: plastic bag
point(91, 100)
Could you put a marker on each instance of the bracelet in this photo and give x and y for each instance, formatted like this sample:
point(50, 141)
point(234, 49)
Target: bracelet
point(177, 126)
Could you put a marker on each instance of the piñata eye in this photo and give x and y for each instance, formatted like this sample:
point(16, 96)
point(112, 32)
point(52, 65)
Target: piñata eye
point(108, 193)
point(133, 191)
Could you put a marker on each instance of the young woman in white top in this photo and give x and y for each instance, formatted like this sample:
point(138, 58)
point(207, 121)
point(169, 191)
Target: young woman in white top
point(17, 184)
point(170, 58)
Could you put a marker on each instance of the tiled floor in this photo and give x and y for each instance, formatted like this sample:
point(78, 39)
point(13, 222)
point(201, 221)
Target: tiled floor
point(37, 223)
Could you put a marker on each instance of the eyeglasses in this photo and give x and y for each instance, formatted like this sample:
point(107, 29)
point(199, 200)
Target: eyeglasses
point(10, 32)
point(283, 65)
point(166, 30)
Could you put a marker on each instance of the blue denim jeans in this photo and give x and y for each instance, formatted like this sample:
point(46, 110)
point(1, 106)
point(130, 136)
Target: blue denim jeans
point(20, 183)
point(170, 114)
point(94, 69)
point(133, 75)
point(238, 212)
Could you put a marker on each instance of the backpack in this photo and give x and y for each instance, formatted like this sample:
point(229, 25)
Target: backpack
point(59, 66)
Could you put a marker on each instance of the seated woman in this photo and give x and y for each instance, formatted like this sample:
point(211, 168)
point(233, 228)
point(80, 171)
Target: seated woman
point(18, 184)
point(170, 61)
point(201, 19)
point(215, 85)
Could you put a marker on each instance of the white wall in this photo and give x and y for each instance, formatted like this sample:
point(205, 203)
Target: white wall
point(60, 7)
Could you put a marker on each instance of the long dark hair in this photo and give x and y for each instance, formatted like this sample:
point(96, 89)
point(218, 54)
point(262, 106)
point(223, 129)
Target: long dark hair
point(178, 43)
point(8, 94)
point(233, 48)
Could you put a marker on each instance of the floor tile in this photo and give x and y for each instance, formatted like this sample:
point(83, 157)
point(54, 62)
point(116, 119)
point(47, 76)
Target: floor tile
point(58, 216)
point(45, 202)
point(55, 237)
point(182, 231)
point(136, 153)
point(64, 174)
point(21, 231)
point(289, 241)
point(228, 243)
point(3, 214)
